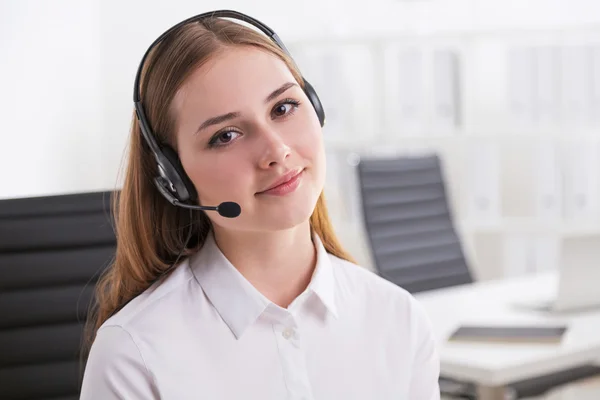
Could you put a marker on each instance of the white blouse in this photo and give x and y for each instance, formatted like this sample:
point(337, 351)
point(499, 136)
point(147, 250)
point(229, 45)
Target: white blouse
point(207, 333)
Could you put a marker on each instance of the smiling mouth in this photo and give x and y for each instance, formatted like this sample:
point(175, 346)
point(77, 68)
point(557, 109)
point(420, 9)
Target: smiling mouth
point(286, 187)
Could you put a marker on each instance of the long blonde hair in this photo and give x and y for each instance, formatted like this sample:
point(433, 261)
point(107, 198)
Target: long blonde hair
point(150, 232)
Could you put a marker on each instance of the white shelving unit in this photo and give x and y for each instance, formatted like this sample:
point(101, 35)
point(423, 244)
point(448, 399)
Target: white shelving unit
point(512, 115)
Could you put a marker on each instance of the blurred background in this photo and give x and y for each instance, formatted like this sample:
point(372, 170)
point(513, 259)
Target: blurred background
point(505, 94)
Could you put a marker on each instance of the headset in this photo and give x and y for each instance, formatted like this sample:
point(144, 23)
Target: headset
point(172, 181)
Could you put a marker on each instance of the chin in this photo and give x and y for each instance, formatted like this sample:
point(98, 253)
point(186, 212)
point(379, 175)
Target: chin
point(287, 213)
point(286, 219)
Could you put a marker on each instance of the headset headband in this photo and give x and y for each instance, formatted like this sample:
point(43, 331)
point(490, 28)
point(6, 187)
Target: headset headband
point(212, 14)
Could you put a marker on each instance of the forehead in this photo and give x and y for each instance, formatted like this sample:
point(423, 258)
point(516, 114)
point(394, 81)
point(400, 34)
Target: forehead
point(232, 79)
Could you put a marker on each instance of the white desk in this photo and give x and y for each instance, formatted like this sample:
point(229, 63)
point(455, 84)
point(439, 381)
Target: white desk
point(495, 365)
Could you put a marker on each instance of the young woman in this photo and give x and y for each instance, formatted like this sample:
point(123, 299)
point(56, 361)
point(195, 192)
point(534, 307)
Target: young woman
point(265, 304)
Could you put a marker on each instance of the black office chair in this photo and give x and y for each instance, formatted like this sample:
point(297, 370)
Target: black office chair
point(409, 223)
point(52, 250)
point(414, 245)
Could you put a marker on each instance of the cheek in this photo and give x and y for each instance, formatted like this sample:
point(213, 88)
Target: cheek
point(311, 149)
point(311, 146)
point(208, 173)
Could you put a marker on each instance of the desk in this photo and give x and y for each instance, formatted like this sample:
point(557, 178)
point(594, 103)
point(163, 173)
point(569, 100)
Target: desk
point(493, 366)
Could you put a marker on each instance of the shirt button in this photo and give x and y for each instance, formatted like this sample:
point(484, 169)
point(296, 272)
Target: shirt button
point(288, 333)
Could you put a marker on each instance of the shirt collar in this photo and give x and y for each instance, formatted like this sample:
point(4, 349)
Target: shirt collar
point(236, 300)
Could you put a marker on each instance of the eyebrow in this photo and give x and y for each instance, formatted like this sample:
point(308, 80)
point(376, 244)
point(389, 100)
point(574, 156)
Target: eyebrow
point(229, 116)
point(279, 91)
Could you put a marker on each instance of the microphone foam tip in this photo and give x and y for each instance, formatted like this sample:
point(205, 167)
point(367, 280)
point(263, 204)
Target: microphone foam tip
point(229, 209)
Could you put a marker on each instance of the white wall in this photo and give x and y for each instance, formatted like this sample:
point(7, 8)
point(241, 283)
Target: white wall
point(68, 67)
point(50, 98)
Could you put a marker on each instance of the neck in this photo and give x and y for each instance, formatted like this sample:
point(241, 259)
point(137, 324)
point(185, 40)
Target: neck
point(278, 264)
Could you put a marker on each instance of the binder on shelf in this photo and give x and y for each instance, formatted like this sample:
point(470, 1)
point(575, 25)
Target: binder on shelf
point(334, 92)
point(574, 83)
point(547, 78)
point(581, 180)
point(357, 70)
point(483, 172)
point(594, 92)
point(404, 90)
point(446, 92)
point(521, 85)
point(548, 181)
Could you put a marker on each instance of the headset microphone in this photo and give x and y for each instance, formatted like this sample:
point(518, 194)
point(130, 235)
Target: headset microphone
point(227, 209)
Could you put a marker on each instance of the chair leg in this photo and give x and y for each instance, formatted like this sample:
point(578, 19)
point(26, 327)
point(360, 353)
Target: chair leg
point(493, 393)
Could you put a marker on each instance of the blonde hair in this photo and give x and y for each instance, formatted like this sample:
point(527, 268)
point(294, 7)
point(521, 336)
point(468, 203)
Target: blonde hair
point(151, 232)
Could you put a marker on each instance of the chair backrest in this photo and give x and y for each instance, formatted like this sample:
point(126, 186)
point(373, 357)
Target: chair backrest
point(52, 250)
point(409, 223)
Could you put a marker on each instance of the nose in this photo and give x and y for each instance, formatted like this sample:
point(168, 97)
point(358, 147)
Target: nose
point(275, 150)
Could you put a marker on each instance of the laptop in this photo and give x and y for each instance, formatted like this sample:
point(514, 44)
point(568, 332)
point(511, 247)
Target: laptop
point(579, 276)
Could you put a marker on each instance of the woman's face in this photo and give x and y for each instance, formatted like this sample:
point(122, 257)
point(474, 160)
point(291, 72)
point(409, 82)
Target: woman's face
point(243, 126)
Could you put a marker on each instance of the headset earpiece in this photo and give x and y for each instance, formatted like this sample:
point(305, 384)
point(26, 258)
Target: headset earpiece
point(172, 171)
point(311, 93)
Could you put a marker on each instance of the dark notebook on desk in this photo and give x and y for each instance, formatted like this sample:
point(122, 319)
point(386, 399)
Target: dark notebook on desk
point(509, 334)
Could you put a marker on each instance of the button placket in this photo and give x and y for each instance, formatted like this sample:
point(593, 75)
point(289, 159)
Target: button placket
point(288, 333)
point(292, 357)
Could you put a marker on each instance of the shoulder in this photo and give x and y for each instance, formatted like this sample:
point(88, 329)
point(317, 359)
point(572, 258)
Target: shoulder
point(114, 344)
point(157, 299)
point(118, 365)
point(115, 368)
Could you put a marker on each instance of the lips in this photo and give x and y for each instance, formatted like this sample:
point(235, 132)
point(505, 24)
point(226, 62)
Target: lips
point(284, 179)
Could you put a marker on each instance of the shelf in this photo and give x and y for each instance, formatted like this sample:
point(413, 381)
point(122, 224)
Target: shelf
point(531, 226)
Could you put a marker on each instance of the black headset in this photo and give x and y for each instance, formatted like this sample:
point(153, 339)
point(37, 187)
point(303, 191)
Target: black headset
point(172, 181)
